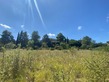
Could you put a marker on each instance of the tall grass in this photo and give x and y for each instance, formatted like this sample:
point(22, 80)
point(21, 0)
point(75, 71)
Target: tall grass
point(54, 66)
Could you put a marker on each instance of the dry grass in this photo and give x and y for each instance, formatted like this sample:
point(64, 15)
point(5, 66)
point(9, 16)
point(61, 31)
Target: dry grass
point(54, 66)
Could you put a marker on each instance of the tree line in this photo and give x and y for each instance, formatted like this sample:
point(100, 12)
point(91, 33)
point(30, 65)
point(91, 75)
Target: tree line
point(35, 42)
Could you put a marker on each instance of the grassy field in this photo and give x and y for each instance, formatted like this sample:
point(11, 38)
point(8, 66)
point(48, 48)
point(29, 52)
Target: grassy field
point(54, 66)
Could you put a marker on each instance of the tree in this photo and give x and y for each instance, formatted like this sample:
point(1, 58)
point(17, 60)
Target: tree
point(22, 38)
point(61, 38)
point(67, 40)
point(74, 43)
point(100, 44)
point(30, 44)
point(18, 39)
point(86, 42)
point(64, 45)
point(35, 38)
point(46, 41)
point(7, 37)
point(10, 46)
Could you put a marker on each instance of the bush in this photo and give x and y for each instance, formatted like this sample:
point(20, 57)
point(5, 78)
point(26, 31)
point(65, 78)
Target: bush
point(58, 47)
point(103, 48)
point(64, 45)
point(10, 46)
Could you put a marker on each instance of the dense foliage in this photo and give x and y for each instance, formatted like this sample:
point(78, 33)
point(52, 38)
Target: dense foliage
point(35, 42)
point(67, 64)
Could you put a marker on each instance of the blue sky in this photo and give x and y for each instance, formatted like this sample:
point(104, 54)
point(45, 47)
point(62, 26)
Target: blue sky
point(74, 18)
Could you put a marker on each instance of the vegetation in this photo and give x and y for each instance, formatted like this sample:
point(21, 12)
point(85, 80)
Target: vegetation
point(52, 60)
point(54, 66)
point(60, 42)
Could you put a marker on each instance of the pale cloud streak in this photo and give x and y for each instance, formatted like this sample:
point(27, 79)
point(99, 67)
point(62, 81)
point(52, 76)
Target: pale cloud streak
point(51, 35)
point(37, 8)
point(5, 26)
point(79, 27)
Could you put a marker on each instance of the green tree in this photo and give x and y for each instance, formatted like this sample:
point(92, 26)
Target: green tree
point(86, 42)
point(35, 38)
point(61, 38)
point(74, 43)
point(7, 37)
point(30, 44)
point(18, 39)
point(10, 45)
point(46, 41)
point(22, 39)
point(64, 45)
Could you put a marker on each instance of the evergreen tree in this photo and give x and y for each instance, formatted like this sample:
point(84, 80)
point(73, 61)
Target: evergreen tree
point(61, 38)
point(22, 38)
point(35, 36)
point(18, 39)
point(86, 42)
point(7, 37)
point(35, 39)
point(46, 41)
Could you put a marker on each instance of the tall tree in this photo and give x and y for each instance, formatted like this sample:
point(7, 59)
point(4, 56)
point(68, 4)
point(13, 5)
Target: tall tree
point(86, 42)
point(22, 38)
point(35, 38)
point(7, 37)
point(18, 39)
point(61, 38)
point(46, 41)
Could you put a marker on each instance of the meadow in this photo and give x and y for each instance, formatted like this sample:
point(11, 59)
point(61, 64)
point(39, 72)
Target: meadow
point(21, 65)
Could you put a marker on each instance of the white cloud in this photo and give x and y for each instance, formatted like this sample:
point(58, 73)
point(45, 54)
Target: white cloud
point(22, 26)
point(107, 18)
point(79, 27)
point(51, 35)
point(5, 26)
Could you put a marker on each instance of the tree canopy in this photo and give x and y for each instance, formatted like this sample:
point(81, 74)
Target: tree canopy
point(7, 37)
point(60, 42)
point(22, 38)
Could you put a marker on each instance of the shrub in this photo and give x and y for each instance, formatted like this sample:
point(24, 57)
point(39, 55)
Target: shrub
point(10, 46)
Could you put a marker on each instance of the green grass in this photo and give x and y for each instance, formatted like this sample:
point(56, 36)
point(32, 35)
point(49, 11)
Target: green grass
point(54, 66)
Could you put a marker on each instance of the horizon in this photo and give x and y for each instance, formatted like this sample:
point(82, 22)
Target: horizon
point(73, 18)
